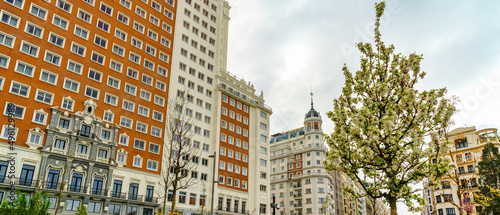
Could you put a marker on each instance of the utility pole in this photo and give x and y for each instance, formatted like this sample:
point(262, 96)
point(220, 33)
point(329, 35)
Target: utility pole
point(213, 183)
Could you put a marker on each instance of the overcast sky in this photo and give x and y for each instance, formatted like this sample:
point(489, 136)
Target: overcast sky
point(288, 47)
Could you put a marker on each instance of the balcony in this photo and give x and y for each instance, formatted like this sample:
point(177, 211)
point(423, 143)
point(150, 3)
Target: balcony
point(26, 182)
point(49, 184)
point(243, 97)
point(85, 134)
point(134, 197)
point(77, 189)
point(297, 186)
point(99, 191)
point(298, 195)
point(118, 194)
point(298, 205)
point(150, 199)
point(227, 210)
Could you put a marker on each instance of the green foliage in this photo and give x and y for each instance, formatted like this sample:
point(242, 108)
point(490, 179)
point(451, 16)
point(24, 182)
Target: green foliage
point(489, 173)
point(82, 210)
point(381, 121)
point(38, 204)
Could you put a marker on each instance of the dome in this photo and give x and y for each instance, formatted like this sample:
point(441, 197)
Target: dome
point(312, 113)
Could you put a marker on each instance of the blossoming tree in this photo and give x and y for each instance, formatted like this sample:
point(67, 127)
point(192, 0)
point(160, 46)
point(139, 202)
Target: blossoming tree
point(381, 122)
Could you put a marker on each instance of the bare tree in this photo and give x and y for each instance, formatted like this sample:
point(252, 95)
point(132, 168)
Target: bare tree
point(60, 185)
point(180, 154)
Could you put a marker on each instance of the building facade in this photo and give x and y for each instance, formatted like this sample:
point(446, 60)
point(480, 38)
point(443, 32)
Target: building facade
point(466, 151)
point(88, 81)
point(233, 122)
point(299, 180)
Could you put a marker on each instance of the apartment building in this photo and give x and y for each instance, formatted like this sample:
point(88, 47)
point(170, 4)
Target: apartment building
point(299, 180)
point(466, 150)
point(86, 83)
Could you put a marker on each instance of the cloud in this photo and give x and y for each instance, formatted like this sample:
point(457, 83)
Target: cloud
point(287, 48)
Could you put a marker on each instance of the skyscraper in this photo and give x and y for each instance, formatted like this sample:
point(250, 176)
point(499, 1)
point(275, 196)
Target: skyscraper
point(233, 120)
point(88, 84)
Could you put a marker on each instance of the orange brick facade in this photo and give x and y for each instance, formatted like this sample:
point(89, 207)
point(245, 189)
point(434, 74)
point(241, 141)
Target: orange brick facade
point(95, 17)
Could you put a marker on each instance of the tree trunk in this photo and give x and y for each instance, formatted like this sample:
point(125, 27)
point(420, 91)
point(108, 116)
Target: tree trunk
point(393, 205)
point(165, 196)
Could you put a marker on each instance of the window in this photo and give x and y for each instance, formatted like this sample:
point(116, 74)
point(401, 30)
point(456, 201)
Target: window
point(72, 205)
point(10, 19)
point(118, 50)
point(149, 64)
point(113, 82)
point(64, 123)
point(134, 58)
point(91, 92)
point(120, 158)
point(98, 58)
point(44, 97)
point(74, 67)
point(152, 165)
point(144, 111)
point(100, 41)
point(35, 138)
point(78, 49)
point(94, 207)
point(450, 211)
point(153, 35)
point(82, 149)
point(38, 11)
point(29, 49)
point(141, 12)
point(87, 17)
point(60, 22)
point(59, 144)
point(106, 9)
point(90, 2)
point(128, 105)
point(155, 131)
point(164, 57)
point(139, 144)
point(17, 3)
point(24, 68)
point(138, 27)
point(132, 73)
point(154, 148)
point(123, 139)
point(123, 18)
point(6, 39)
point(64, 5)
point(110, 99)
point(52, 58)
point(95, 75)
point(159, 100)
point(81, 32)
point(108, 116)
point(103, 25)
point(114, 65)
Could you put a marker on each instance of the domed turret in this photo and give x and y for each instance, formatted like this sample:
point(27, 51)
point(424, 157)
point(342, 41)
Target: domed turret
point(312, 112)
point(312, 120)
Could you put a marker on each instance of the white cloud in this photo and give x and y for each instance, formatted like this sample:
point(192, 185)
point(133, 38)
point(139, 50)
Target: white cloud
point(285, 48)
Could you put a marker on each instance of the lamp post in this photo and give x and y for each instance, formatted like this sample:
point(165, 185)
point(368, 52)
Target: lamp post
point(274, 205)
point(213, 184)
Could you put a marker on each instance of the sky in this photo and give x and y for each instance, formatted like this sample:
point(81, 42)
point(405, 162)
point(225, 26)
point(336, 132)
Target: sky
point(288, 48)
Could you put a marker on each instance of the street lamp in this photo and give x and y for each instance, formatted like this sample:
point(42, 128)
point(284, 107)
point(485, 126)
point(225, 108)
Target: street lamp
point(274, 205)
point(213, 183)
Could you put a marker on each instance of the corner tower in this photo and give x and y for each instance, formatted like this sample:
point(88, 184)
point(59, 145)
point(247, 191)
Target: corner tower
point(312, 120)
